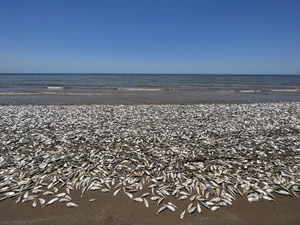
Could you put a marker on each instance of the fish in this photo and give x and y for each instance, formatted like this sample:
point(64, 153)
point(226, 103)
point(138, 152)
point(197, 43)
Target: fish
point(48, 193)
point(171, 207)
point(182, 214)
point(144, 195)
point(105, 190)
point(42, 201)
point(198, 208)
point(51, 201)
point(138, 199)
point(60, 194)
point(71, 204)
point(146, 202)
point(155, 198)
point(26, 194)
point(161, 209)
point(117, 191)
point(214, 208)
point(192, 209)
point(129, 195)
point(34, 204)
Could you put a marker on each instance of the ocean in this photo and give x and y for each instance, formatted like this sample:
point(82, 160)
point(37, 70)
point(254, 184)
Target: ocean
point(280, 87)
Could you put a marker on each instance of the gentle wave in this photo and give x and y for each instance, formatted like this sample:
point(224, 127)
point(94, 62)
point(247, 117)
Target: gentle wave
point(63, 93)
point(240, 91)
point(259, 90)
point(55, 87)
point(286, 90)
point(249, 91)
point(140, 89)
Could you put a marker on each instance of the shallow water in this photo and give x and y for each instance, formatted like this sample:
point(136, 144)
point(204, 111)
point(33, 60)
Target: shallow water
point(153, 88)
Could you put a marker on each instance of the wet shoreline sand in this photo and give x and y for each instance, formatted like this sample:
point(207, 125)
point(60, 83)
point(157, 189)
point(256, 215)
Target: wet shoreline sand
point(120, 210)
point(47, 139)
point(136, 98)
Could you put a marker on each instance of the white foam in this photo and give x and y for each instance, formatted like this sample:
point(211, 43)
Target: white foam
point(140, 89)
point(249, 91)
point(55, 87)
point(286, 90)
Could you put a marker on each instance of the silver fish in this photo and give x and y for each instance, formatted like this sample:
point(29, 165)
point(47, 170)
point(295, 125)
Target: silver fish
point(72, 204)
point(182, 214)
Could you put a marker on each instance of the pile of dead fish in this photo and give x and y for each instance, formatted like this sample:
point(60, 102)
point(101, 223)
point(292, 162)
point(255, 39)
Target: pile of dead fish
point(202, 155)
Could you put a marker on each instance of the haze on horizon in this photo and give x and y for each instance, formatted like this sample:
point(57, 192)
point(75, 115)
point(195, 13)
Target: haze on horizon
point(60, 36)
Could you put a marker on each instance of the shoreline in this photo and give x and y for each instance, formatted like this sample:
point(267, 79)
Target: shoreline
point(119, 210)
point(151, 98)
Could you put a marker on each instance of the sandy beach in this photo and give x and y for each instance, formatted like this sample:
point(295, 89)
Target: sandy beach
point(108, 210)
point(238, 162)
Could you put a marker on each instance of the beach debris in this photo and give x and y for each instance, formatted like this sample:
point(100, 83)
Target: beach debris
point(201, 155)
point(182, 214)
point(51, 201)
point(72, 204)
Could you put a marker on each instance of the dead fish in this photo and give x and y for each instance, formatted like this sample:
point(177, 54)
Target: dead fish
point(190, 206)
point(64, 200)
point(215, 199)
point(160, 201)
point(138, 199)
point(144, 195)
point(170, 207)
point(161, 209)
point(42, 201)
point(267, 198)
point(117, 191)
point(35, 191)
point(34, 204)
point(92, 200)
point(19, 199)
point(61, 194)
point(51, 201)
point(11, 193)
point(192, 209)
point(182, 214)
point(172, 204)
point(183, 197)
point(283, 192)
point(155, 198)
point(193, 198)
point(26, 194)
point(146, 203)
point(198, 208)
point(105, 190)
point(129, 195)
point(214, 208)
point(48, 193)
point(29, 198)
point(71, 204)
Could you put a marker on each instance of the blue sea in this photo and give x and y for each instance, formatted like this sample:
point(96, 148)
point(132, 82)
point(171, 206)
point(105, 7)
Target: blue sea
point(162, 85)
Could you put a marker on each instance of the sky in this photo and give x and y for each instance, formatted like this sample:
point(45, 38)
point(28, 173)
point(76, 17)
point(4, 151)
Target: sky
point(201, 36)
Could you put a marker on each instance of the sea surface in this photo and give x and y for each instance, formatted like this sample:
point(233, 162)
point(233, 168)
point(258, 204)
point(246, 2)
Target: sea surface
point(179, 85)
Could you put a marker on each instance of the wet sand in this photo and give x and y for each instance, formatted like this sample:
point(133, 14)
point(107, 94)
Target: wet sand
point(151, 98)
point(120, 210)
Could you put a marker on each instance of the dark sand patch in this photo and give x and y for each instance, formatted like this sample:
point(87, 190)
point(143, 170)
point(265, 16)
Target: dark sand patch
point(120, 210)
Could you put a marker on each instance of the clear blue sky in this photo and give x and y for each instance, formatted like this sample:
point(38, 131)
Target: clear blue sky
point(211, 36)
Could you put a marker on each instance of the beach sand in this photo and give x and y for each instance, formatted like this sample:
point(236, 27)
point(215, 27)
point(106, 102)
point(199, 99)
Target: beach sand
point(120, 210)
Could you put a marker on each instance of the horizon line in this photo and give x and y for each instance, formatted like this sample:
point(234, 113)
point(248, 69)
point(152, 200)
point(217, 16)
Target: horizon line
point(101, 73)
